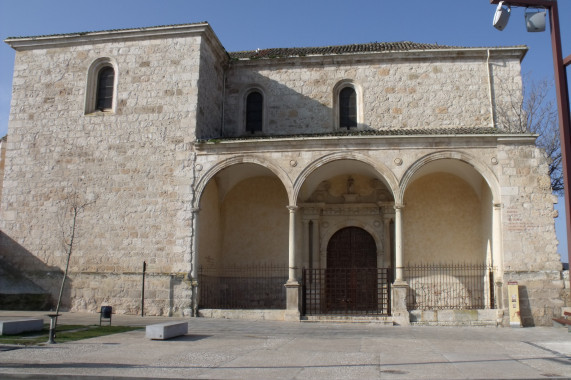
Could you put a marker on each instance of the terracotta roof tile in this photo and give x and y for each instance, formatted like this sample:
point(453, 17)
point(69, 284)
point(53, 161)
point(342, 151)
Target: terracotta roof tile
point(341, 49)
point(381, 132)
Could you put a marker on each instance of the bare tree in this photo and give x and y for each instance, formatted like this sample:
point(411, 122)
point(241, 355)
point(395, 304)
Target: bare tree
point(73, 205)
point(536, 112)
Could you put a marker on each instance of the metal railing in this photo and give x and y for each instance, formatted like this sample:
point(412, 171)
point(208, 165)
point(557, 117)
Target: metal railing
point(259, 286)
point(449, 286)
point(342, 291)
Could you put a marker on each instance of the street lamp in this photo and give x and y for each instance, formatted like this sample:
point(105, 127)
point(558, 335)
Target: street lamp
point(560, 64)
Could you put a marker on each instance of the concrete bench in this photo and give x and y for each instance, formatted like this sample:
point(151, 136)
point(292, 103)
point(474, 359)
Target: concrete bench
point(167, 330)
point(17, 326)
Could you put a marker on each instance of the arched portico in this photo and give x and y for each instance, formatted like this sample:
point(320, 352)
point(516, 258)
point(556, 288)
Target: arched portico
point(345, 162)
point(450, 216)
point(338, 192)
point(259, 164)
point(342, 190)
point(241, 241)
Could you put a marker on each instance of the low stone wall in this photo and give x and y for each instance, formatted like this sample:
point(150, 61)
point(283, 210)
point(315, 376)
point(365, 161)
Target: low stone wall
point(166, 294)
point(484, 317)
point(268, 315)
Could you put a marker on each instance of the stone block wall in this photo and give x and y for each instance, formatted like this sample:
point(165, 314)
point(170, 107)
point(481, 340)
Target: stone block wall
point(209, 108)
point(432, 90)
point(165, 293)
point(529, 240)
point(132, 166)
point(2, 161)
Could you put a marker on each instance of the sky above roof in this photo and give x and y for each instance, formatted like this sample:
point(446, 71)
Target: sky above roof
point(262, 24)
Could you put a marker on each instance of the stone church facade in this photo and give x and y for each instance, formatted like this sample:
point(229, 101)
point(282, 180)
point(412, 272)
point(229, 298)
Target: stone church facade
point(353, 171)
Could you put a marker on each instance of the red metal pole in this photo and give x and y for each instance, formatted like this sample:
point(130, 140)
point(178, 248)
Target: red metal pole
point(560, 76)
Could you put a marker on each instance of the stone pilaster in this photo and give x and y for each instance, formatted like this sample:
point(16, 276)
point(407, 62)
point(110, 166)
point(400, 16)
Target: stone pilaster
point(293, 290)
point(398, 299)
point(194, 264)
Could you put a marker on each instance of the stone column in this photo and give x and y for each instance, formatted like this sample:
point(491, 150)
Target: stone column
point(399, 287)
point(292, 267)
point(399, 277)
point(387, 216)
point(497, 255)
point(292, 285)
point(194, 263)
point(306, 249)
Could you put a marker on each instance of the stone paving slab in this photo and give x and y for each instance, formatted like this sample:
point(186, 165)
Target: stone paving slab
point(238, 349)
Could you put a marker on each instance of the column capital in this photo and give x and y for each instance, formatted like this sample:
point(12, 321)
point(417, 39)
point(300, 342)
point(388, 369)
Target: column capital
point(292, 208)
point(399, 206)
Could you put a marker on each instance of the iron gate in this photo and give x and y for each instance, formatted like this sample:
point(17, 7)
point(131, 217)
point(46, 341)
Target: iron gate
point(243, 287)
point(346, 291)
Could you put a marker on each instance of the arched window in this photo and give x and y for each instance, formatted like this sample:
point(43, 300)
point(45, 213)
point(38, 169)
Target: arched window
point(347, 108)
point(101, 89)
point(105, 84)
point(254, 112)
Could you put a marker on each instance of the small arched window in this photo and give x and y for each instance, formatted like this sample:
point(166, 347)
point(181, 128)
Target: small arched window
point(254, 112)
point(348, 108)
point(105, 83)
point(101, 89)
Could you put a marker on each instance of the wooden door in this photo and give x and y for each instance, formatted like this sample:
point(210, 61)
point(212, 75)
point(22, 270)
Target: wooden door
point(351, 280)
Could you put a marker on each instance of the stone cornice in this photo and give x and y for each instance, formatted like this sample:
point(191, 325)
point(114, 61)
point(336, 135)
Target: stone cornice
point(360, 142)
point(88, 38)
point(515, 52)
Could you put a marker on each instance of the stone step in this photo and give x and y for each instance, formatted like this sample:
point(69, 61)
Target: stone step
point(381, 320)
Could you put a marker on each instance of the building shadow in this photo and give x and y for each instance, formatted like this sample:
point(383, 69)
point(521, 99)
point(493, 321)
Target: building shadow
point(26, 282)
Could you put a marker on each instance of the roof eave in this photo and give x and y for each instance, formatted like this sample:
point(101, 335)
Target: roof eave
point(500, 138)
point(61, 40)
point(518, 52)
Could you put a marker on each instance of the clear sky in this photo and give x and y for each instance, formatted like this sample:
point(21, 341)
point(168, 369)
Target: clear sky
point(252, 24)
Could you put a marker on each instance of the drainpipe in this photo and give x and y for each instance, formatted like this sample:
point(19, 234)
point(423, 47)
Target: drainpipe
point(223, 101)
point(490, 92)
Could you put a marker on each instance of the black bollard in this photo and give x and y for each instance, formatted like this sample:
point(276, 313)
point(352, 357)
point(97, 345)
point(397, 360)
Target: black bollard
point(53, 323)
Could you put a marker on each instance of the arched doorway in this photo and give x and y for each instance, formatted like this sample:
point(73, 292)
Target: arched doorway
point(243, 240)
point(346, 205)
point(351, 280)
point(351, 247)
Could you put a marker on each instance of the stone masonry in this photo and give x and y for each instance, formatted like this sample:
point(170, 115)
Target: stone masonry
point(158, 170)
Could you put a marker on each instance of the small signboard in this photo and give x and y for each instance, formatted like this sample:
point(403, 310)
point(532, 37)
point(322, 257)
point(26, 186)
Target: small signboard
point(513, 295)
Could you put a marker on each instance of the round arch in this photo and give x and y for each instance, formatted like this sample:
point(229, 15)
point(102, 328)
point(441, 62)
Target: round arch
point(482, 169)
point(92, 78)
point(333, 229)
point(383, 172)
point(275, 169)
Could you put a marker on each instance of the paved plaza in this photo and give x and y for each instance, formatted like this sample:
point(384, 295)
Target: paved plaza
point(240, 349)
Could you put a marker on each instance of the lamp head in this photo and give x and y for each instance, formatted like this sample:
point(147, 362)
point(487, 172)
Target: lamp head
point(535, 21)
point(502, 16)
